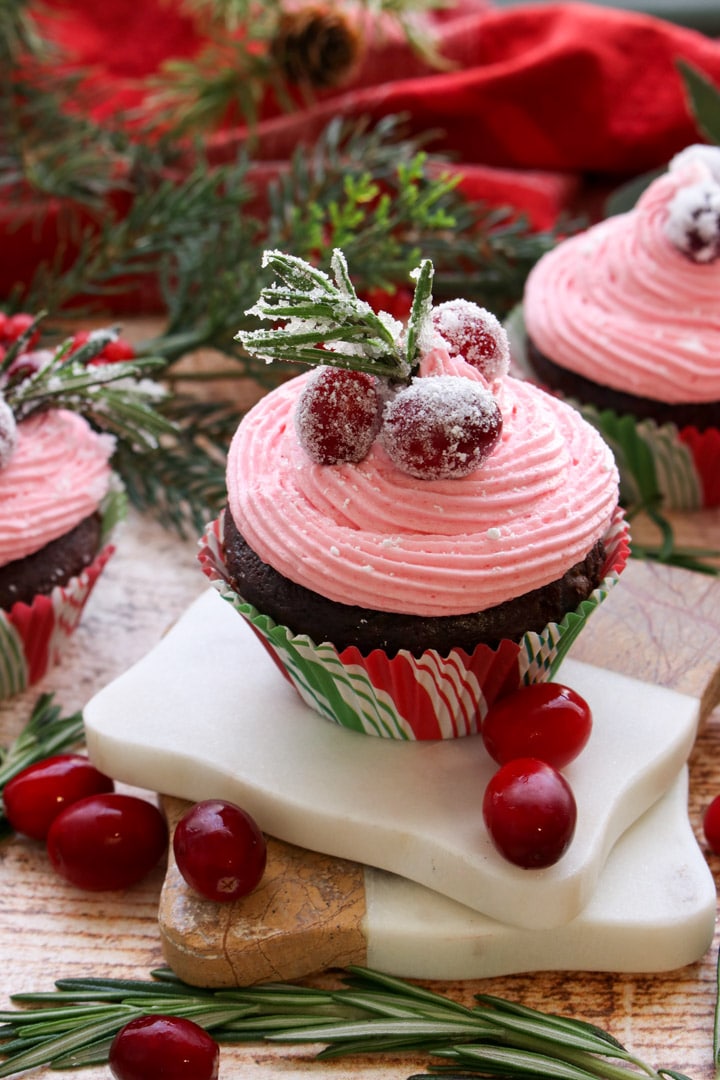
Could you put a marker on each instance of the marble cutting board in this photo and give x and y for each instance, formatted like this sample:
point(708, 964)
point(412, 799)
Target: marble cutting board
point(206, 714)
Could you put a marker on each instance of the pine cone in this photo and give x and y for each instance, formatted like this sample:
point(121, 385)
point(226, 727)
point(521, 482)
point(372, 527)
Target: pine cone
point(316, 46)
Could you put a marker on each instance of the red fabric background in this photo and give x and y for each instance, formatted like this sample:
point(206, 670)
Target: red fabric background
point(542, 104)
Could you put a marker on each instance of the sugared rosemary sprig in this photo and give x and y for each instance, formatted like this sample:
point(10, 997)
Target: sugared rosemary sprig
point(47, 732)
point(323, 321)
point(115, 396)
point(74, 1025)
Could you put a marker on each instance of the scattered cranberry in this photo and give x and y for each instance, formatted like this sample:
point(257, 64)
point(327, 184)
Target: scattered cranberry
point(441, 427)
point(530, 813)
point(35, 797)
point(14, 326)
point(338, 415)
point(475, 334)
point(107, 841)
point(112, 353)
point(711, 825)
point(219, 850)
point(153, 1047)
point(544, 720)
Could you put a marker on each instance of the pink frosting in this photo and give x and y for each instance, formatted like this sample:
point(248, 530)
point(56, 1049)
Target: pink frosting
point(621, 305)
point(57, 476)
point(370, 535)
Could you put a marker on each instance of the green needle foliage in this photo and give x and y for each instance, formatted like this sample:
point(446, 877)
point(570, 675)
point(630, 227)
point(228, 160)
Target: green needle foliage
point(73, 1026)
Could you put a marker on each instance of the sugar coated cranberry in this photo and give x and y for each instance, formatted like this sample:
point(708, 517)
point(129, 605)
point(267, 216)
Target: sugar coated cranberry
point(711, 825)
point(153, 1047)
point(441, 427)
point(8, 432)
point(108, 841)
point(338, 415)
point(693, 221)
point(219, 850)
point(546, 720)
point(530, 813)
point(475, 334)
point(35, 797)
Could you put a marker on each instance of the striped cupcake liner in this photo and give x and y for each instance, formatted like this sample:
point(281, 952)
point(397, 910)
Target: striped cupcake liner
point(33, 637)
point(660, 465)
point(434, 696)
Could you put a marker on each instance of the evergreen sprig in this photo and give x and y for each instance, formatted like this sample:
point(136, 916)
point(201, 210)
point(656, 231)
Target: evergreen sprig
point(73, 1025)
point(323, 321)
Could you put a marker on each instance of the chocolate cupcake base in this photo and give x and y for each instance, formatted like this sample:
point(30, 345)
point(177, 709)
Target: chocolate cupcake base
point(307, 612)
point(53, 565)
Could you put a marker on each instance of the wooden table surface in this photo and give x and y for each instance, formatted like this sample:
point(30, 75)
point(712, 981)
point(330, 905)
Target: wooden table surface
point(660, 624)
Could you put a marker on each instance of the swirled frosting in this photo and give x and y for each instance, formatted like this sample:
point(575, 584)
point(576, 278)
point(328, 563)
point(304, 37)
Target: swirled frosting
point(370, 535)
point(58, 475)
point(621, 305)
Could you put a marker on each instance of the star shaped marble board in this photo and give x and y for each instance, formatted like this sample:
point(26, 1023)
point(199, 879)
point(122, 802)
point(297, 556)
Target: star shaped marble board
point(206, 714)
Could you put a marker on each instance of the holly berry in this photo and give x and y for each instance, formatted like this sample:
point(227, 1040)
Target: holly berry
point(475, 334)
point(107, 841)
point(153, 1047)
point(219, 850)
point(545, 720)
point(711, 825)
point(441, 427)
point(338, 415)
point(530, 813)
point(34, 797)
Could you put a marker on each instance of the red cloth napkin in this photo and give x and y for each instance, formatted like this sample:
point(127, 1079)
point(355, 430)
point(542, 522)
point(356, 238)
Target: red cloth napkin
point(540, 103)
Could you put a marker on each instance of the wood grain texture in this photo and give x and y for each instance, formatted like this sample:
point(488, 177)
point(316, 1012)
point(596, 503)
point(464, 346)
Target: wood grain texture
point(660, 624)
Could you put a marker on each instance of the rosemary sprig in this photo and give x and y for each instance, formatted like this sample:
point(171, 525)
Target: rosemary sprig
point(47, 732)
point(112, 395)
point(74, 1024)
point(325, 322)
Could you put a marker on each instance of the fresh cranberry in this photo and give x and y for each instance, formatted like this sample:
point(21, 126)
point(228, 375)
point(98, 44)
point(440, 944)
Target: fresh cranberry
point(545, 720)
point(219, 850)
point(711, 825)
point(530, 813)
point(107, 841)
point(441, 427)
point(475, 334)
point(116, 352)
point(35, 797)
point(169, 1047)
point(338, 415)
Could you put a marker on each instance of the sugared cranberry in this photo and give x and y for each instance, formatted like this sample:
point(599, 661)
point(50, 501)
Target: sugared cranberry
point(530, 813)
point(108, 841)
point(219, 850)
point(693, 222)
point(475, 334)
point(338, 415)
point(153, 1047)
point(441, 427)
point(546, 720)
point(35, 797)
point(8, 432)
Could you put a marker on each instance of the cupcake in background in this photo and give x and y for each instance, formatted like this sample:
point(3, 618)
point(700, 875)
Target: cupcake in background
point(59, 498)
point(624, 321)
point(411, 534)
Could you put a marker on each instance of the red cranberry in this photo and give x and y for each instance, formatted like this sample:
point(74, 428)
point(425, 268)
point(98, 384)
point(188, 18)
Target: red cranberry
point(108, 841)
point(338, 415)
point(530, 813)
point(219, 850)
point(711, 825)
point(441, 427)
point(544, 720)
point(157, 1047)
point(475, 334)
point(35, 796)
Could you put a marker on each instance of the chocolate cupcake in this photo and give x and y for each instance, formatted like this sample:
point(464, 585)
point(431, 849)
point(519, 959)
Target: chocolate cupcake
point(404, 591)
point(622, 320)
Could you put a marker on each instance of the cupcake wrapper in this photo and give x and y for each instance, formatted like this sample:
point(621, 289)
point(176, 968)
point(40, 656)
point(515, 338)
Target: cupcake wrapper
point(660, 465)
point(405, 697)
point(33, 637)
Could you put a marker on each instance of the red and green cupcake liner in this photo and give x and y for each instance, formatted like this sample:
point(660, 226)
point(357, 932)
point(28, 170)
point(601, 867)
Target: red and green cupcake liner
point(34, 637)
point(434, 696)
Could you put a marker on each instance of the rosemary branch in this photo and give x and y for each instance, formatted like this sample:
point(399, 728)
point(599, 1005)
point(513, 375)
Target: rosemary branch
point(73, 1025)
